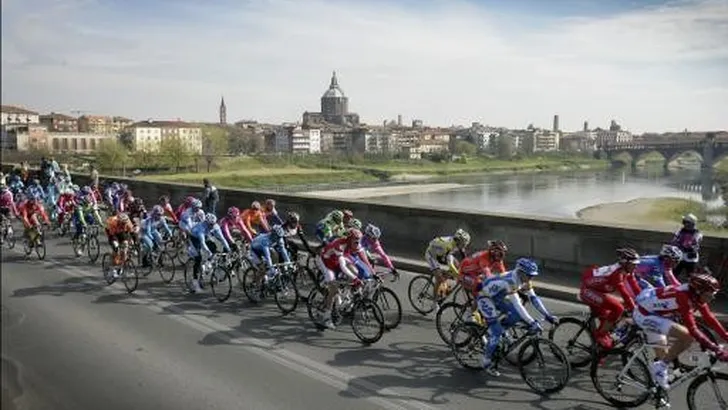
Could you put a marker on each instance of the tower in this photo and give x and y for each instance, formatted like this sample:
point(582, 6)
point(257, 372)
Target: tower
point(586, 126)
point(334, 104)
point(223, 111)
point(556, 123)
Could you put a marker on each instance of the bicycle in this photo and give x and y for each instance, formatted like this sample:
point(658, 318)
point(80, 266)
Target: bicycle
point(126, 270)
point(635, 373)
point(37, 242)
point(88, 240)
point(218, 269)
point(7, 232)
point(159, 259)
point(469, 339)
point(426, 293)
point(351, 303)
point(387, 301)
point(280, 285)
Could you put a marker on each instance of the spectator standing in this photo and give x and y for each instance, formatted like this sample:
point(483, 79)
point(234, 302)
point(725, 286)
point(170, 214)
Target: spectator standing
point(210, 197)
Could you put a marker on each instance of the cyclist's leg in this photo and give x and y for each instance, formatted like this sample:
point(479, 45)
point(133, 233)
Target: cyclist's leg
point(605, 307)
point(489, 312)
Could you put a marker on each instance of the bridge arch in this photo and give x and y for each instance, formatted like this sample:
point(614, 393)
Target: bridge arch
point(675, 155)
point(637, 157)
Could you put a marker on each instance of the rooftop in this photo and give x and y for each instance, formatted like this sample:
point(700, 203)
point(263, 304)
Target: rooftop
point(163, 124)
point(58, 116)
point(12, 109)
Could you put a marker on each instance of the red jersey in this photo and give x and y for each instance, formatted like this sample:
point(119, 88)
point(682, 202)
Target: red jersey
point(610, 278)
point(677, 301)
point(331, 253)
point(481, 263)
point(30, 210)
point(169, 213)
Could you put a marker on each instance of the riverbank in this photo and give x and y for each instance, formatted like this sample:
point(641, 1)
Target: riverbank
point(658, 213)
point(373, 192)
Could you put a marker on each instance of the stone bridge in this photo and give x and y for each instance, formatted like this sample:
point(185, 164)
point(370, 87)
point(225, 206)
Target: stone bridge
point(710, 150)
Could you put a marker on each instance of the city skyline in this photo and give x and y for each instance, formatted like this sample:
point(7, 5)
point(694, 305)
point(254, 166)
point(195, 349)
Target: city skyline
point(653, 66)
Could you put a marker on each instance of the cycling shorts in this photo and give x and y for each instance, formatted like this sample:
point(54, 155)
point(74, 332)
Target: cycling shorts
point(118, 238)
point(655, 327)
point(436, 262)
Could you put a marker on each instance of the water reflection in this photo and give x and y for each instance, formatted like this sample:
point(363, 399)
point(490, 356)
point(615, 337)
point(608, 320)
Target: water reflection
point(563, 194)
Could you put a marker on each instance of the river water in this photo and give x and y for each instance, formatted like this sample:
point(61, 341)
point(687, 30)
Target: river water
point(564, 194)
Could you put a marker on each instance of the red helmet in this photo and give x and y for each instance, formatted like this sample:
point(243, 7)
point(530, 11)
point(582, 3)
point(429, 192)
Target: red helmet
point(189, 200)
point(348, 215)
point(628, 256)
point(353, 236)
point(703, 283)
point(233, 212)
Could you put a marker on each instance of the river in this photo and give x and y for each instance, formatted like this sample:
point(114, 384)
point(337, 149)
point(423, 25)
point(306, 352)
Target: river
point(563, 194)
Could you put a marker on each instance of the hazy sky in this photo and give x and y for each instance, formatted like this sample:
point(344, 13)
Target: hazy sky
point(651, 65)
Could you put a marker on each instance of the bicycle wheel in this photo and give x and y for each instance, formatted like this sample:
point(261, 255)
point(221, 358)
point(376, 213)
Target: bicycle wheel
point(40, 247)
point(166, 267)
point(315, 306)
point(145, 267)
point(286, 295)
point(251, 286)
point(10, 237)
point(93, 249)
point(106, 268)
point(221, 283)
point(468, 345)
point(189, 266)
point(130, 276)
point(366, 314)
point(543, 366)
point(421, 293)
point(712, 396)
point(391, 307)
point(612, 381)
point(448, 317)
point(303, 278)
point(573, 336)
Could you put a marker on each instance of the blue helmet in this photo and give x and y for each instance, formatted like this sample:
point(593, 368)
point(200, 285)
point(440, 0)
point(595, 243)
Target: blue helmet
point(527, 267)
point(277, 232)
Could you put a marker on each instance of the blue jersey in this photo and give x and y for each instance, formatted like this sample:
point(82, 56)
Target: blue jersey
point(36, 191)
point(503, 291)
point(150, 226)
point(203, 229)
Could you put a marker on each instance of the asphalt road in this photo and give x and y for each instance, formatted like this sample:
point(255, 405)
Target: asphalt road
point(72, 342)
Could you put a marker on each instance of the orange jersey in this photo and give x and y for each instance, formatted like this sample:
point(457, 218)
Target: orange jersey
point(114, 226)
point(252, 218)
point(481, 263)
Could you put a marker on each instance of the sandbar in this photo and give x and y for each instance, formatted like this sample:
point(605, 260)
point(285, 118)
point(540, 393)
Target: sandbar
point(373, 192)
point(639, 211)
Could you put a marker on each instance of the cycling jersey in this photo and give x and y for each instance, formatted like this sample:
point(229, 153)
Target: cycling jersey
point(441, 251)
point(7, 201)
point(198, 238)
point(672, 301)
point(333, 259)
point(169, 213)
point(253, 218)
point(190, 217)
point(149, 231)
point(228, 225)
point(261, 246)
point(29, 212)
point(688, 240)
point(115, 227)
point(477, 265)
point(36, 191)
point(273, 218)
point(328, 230)
point(608, 279)
point(375, 246)
point(653, 272)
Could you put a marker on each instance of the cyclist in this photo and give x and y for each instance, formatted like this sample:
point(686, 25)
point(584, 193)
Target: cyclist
point(373, 247)
point(688, 239)
point(331, 227)
point(481, 265)
point(333, 263)
point(110, 194)
point(499, 294)
point(260, 251)
point(353, 223)
point(271, 213)
point(597, 284)
point(187, 203)
point(7, 201)
point(253, 217)
point(200, 244)
point(348, 216)
point(657, 306)
point(230, 222)
point(36, 189)
point(66, 204)
point(29, 212)
point(441, 251)
point(136, 210)
point(656, 270)
point(149, 235)
point(168, 211)
point(191, 216)
point(79, 218)
point(119, 230)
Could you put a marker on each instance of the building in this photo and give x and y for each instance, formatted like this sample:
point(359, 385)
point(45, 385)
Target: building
point(33, 138)
point(334, 108)
point(581, 141)
point(55, 122)
point(612, 136)
point(545, 141)
point(13, 115)
point(102, 124)
point(76, 142)
point(223, 111)
point(149, 135)
point(307, 141)
point(556, 123)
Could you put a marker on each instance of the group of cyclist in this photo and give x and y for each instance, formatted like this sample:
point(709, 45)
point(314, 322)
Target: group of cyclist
point(649, 287)
point(658, 302)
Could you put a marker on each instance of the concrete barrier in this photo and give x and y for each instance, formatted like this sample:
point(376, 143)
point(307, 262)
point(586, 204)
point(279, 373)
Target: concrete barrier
point(561, 246)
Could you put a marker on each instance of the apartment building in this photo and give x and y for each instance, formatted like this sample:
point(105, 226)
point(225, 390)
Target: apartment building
point(149, 135)
point(545, 141)
point(14, 115)
point(103, 124)
point(56, 122)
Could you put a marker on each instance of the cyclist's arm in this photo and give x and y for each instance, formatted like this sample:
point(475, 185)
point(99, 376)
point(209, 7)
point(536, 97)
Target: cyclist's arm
point(452, 264)
point(218, 234)
point(538, 304)
point(712, 321)
point(517, 306)
point(671, 279)
point(263, 221)
point(625, 293)
point(379, 251)
point(691, 325)
point(281, 245)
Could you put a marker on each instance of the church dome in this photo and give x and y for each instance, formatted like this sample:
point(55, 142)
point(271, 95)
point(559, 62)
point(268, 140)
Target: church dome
point(334, 90)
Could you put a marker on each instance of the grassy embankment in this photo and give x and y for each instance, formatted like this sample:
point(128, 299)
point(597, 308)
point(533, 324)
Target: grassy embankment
point(271, 171)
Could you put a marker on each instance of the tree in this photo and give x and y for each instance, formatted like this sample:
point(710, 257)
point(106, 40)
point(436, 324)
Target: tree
point(146, 159)
point(505, 146)
point(464, 148)
point(112, 155)
point(214, 142)
point(175, 153)
point(245, 141)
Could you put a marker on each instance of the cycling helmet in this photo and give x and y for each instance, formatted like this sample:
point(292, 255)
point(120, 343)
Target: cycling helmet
point(114, 185)
point(157, 211)
point(690, 220)
point(527, 267)
point(36, 181)
point(292, 218)
point(123, 218)
point(255, 205)
point(703, 283)
point(198, 215)
point(628, 255)
point(190, 200)
point(497, 245)
point(233, 212)
point(270, 204)
point(353, 236)
point(462, 238)
point(164, 199)
point(195, 203)
point(86, 190)
point(337, 216)
point(672, 252)
point(347, 215)
point(372, 231)
point(211, 219)
point(354, 224)
point(277, 232)
point(74, 188)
